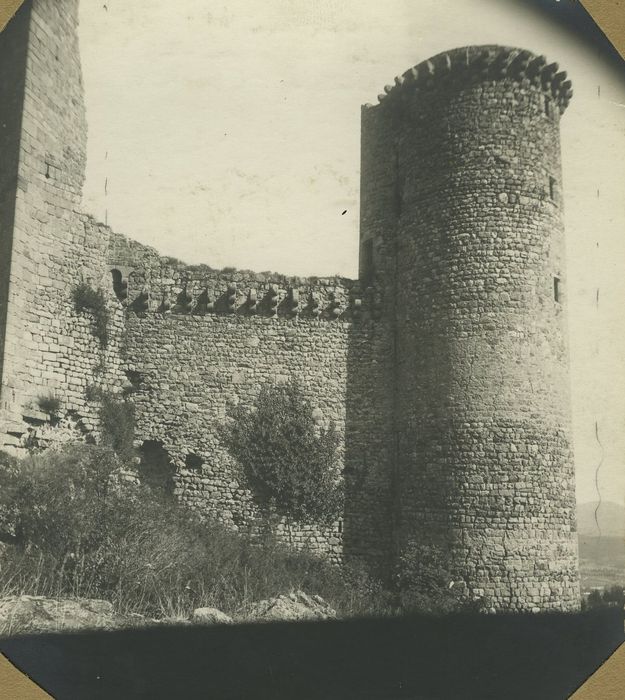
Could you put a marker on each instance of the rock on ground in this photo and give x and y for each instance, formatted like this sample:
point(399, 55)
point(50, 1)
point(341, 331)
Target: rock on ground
point(294, 606)
point(24, 614)
point(210, 616)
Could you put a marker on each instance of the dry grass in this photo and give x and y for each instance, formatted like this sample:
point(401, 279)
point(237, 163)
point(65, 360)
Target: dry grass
point(80, 536)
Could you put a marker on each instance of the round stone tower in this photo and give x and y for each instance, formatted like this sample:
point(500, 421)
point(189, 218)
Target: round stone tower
point(462, 234)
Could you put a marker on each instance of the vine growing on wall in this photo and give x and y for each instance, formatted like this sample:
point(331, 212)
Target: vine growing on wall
point(93, 301)
point(290, 466)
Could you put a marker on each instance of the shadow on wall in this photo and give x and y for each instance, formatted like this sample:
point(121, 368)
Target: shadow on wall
point(544, 657)
point(370, 512)
point(155, 468)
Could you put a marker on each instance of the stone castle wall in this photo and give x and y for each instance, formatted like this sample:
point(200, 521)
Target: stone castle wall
point(485, 468)
point(12, 53)
point(49, 350)
point(444, 367)
point(199, 341)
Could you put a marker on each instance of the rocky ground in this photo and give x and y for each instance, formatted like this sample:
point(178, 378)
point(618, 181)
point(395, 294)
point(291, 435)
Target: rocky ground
point(26, 614)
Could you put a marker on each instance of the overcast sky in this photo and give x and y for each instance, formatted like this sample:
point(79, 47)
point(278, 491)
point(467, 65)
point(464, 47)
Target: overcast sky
point(229, 133)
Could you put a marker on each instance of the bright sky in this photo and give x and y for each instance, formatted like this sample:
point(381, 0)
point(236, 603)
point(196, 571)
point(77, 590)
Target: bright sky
point(229, 133)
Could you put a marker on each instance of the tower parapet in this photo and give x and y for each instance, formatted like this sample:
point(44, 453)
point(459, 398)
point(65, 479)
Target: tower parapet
point(473, 64)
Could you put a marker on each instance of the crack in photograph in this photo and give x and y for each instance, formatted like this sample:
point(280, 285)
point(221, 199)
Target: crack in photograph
point(402, 453)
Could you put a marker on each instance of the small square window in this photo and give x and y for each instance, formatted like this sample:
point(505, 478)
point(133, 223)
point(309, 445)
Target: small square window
point(552, 188)
point(193, 461)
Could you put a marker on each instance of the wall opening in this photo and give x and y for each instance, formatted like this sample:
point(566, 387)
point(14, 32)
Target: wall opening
point(193, 461)
point(120, 287)
point(547, 106)
point(557, 291)
point(552, 189)
point(156, 469)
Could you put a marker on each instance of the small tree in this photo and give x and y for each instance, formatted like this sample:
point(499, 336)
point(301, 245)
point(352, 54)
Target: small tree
point(290, 465)
point(117, 422)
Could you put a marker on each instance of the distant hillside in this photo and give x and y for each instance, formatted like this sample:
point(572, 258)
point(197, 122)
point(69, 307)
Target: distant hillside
point(611, 518)
point(601, 549)
point(601, 561)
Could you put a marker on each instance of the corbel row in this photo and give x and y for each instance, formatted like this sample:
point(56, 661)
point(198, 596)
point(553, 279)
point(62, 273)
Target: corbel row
point(251, 302)
point(494, 63)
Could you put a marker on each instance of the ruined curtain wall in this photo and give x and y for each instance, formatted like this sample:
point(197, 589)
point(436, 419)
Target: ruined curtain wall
point(198, 342)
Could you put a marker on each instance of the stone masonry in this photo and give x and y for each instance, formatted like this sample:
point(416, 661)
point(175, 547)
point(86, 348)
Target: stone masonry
point(444, 366)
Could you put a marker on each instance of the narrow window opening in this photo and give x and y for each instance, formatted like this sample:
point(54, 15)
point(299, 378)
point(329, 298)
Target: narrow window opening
point(552, 188)
point(547, 106)
point(47, 171)
point(367, 260)
point(340, 526)
point(557, 292)
point(117, 279)
point(120, 286)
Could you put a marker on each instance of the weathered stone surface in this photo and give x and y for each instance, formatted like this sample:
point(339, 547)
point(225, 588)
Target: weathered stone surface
point(24, 614)
point(291, 607)
point(210, 616)
point(482, 406)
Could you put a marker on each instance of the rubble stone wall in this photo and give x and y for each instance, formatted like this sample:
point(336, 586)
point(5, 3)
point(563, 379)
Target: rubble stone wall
point(189, 370)
point(49, 349)
point(485, 468)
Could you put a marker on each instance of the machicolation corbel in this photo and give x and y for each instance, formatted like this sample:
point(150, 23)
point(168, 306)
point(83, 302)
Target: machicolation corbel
point(335, 307)
point(313, 305)
point(184, 303)
point(141, 302)
point(252, 301)
point(231, 298)
point(272, 299)
point(165, 306)
point(293, 297)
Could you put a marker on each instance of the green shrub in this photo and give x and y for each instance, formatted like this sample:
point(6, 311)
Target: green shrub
point(117, 423)
point(87, 299)
point(57, 499)
point(290, 466)
point(49, 404)
point(94, 393)
point(81, 534)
